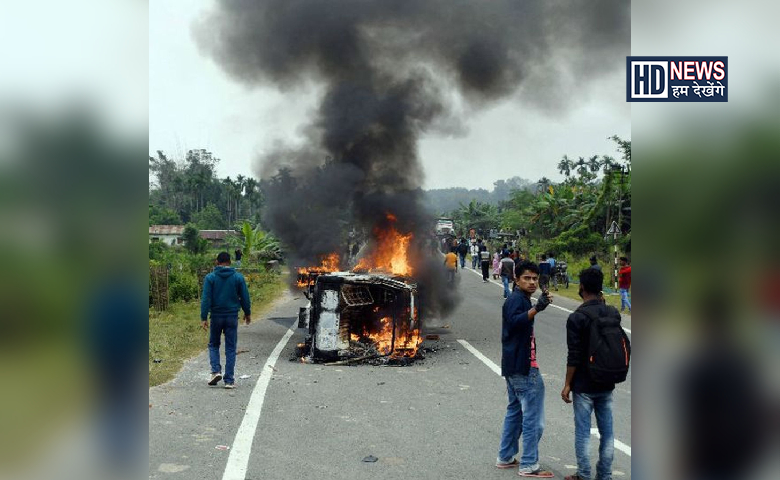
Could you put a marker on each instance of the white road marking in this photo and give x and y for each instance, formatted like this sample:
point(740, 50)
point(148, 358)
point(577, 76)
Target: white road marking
point(552, 304)
point(618, 444)
point(479, 355)
point(242, 445)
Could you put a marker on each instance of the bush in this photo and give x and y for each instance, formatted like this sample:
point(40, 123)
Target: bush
point(577, 242)
point(157, 250)
point(182, 286)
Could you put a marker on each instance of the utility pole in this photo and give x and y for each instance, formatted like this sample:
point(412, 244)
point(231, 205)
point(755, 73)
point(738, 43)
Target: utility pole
point(614, 230)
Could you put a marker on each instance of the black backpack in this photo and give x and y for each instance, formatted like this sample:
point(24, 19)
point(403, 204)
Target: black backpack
point(609, 348)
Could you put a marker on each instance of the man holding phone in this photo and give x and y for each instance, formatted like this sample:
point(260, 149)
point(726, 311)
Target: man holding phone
point(525, 387)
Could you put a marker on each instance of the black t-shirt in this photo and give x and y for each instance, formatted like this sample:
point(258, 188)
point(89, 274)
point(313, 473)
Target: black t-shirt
point(239, 255)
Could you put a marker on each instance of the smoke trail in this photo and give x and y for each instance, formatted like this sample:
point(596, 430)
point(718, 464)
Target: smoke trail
point(389, 71)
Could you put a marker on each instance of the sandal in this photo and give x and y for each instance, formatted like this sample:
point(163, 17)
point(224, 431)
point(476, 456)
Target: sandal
point(537, 474)
point(514, 463)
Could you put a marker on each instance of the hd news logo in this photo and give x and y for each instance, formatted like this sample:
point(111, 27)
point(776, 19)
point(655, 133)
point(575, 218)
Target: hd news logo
point(677, 79)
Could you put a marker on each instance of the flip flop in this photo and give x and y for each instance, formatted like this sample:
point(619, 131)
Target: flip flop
point(537, 474)
point(514, 463)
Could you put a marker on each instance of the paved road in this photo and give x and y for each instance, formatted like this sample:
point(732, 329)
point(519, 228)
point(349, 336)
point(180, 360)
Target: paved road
point(439, 418)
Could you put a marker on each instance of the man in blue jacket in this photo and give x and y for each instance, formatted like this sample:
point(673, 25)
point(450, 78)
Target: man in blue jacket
point(224, 293)
point(519, 366)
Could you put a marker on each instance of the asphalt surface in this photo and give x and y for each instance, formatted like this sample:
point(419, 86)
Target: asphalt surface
point(438, 418)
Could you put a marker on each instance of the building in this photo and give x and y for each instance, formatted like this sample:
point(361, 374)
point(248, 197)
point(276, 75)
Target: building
point(167, 234)
point(174, 235)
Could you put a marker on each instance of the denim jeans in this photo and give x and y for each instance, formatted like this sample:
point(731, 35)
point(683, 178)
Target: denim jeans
point(524, 415)
point(474, 260)
point(506, 281)
point(228, 325)
point(462, 260)
point(584, 405)
point(625, 301)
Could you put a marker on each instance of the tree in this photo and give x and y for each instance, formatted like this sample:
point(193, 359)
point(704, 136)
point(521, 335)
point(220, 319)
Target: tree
point(259, 242)
point(163, 216)
point(192, 241)
point(565, 166)
point(210, 218)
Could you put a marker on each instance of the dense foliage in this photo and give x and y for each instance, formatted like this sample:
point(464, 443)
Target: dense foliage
point(189, 191)
point(571, 216)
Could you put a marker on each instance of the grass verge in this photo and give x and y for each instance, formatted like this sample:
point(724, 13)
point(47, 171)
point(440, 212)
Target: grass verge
point(176, 335)
point(571, 292)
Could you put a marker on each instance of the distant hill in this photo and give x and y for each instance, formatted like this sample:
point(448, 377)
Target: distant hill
point(442, 201)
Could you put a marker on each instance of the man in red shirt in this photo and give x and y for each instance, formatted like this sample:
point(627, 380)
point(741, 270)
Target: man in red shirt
point(624, 283)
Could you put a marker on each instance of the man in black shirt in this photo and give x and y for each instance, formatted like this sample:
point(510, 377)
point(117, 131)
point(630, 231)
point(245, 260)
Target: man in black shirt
point(589, 396)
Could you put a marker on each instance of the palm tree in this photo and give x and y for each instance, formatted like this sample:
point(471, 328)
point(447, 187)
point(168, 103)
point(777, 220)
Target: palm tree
point(565, 166)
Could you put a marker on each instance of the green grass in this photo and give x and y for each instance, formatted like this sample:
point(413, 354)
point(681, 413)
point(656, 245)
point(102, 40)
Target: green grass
point(176, 334)
point(571, 292)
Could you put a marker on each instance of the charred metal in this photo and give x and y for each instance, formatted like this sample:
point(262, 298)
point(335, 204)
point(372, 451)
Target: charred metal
point(356, 316)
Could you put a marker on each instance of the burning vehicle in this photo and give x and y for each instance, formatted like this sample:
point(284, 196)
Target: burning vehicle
point(371, 312)
point(360, 316)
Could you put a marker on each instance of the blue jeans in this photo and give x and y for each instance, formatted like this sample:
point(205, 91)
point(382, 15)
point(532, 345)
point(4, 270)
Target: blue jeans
point(228, 325)
point(584, 405)
point(625, 301)
point(462, 260)
point(474, 260)
point(524, 415)
point(506, 281)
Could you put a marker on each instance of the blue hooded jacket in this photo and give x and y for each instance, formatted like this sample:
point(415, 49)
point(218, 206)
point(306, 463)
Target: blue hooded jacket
point(224, 293)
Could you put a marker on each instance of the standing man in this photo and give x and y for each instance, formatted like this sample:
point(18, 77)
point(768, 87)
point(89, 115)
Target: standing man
point(589, 396)
point(224, 293)
point(594, 263)
point(239, 254)
point(544, 272)
point(553, 273)
point(524, 384)
point(475, 254)
point(507, 267)
point(624, 283)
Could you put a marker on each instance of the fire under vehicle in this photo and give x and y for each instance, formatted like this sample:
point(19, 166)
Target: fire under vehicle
point(355, 316)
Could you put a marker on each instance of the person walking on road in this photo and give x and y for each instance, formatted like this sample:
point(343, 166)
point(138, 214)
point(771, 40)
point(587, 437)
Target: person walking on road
point(507, 273)
point(239, 255)
point(520, 368)
point(463, 250)
point(451, 262)
point(484, 259)
point(496, 262)
point(475, 254)
point(224, 293)
point(589, 396)
point(624, 283)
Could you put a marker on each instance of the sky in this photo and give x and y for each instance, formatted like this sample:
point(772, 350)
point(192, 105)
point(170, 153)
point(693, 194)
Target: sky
point(194, 104)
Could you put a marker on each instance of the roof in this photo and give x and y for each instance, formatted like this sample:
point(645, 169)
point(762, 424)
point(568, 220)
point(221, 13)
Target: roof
point(216, 234)
point(166, 230)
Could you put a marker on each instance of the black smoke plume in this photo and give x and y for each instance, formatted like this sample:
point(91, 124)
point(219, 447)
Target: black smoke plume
point(392, 71)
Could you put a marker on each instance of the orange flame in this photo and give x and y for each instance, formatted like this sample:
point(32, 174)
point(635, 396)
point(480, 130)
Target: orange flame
point(406, 343)
point(330, 263)
point(390, 254)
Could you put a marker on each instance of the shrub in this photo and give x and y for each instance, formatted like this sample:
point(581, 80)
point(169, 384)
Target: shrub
point(182, 286)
